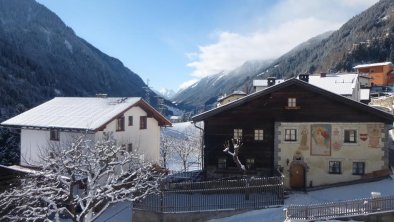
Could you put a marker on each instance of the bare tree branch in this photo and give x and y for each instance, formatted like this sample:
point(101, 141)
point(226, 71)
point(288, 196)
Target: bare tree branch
point(236, 145)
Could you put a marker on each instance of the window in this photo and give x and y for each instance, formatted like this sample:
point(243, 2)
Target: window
point(259, 134)
point(237, 133)
point(143, 124)
point(130, 147)
point(120, 124)
point(290, 135)
point(358, 168)
point(130, 120)
point(54, 135)
point(291, 102)
point(222, 163)
point(334, 167)
point(250, 163)
point(350, 136)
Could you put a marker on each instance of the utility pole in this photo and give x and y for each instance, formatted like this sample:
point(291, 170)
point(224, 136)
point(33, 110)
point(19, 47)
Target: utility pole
point(160, 102)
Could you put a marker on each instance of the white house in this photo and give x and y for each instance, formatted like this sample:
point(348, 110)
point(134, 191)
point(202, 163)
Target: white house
point(131, 122)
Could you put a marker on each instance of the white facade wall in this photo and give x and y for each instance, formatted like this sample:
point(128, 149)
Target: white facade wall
point(370, 150)
point(145, 142)
point(35, 144)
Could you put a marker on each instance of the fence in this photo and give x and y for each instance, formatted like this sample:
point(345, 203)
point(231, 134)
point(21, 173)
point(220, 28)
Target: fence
point(340, 209)
point(215, 195)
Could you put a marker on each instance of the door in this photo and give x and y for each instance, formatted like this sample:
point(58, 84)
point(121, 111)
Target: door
point(297, 176)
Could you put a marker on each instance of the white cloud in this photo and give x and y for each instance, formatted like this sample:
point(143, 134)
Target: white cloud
point(289, 23)
point(233, 49)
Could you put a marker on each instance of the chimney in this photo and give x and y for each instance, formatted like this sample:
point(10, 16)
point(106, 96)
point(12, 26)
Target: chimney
point(271, 81)
point(323, 74)
point(304, 77)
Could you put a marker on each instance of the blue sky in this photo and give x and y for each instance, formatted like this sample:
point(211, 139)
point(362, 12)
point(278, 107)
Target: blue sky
point(176, 42)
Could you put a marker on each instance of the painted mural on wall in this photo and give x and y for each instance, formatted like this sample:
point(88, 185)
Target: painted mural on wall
point(374, 136)
point(321, 140)
point(337, 139)
point(304, 139)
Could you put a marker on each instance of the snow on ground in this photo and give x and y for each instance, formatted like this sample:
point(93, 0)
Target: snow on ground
point(351, 192)
point(181, 131)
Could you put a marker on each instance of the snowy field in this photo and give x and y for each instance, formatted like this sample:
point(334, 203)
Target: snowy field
point(351, 192)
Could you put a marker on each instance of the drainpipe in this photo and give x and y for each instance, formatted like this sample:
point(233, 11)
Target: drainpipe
point(202, 143)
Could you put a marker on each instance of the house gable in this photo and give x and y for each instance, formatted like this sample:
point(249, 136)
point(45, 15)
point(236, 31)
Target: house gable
point(275, 99)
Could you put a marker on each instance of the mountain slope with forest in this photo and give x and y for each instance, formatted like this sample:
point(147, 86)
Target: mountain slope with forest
point(366, 38)
point(203, 94)
point(41, 57)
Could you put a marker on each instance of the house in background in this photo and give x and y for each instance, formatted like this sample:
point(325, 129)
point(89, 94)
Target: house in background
point(260, 84)
point(380, 74)
point(314, 136)
point(230, 98)
point(131, 122)
point(350, 85)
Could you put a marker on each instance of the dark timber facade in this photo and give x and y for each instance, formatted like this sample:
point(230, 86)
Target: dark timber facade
point(259, 114)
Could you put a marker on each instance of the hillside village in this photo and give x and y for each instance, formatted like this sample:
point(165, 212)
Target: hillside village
point(310, 146)
point(272, 141)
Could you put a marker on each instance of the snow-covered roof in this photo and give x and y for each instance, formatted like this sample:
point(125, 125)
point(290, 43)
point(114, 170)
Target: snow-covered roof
point(372, 64)
point(88, 113)
point(341, 84)
point(264, 82)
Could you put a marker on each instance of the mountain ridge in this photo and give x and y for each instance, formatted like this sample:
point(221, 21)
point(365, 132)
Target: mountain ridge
point(366, 38)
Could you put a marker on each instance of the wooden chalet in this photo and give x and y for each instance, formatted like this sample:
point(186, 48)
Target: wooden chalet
point(315, 137)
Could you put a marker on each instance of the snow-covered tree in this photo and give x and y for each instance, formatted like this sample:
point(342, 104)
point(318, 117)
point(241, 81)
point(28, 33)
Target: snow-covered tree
point(187, 150)
point(9, 146)
point(166, 144)
point(79, 182)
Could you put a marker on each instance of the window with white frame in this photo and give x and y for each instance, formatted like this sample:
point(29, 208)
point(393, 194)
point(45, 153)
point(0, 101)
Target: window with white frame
point(334, 167)
point(237, 133)
point(291, 102)
point(358, 168)
point(290, 135)
point(258, 134)
point(350, 136)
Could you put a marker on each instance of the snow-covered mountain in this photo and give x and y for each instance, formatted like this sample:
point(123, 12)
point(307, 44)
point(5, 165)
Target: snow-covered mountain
point(204, 93)
point(166, 93)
